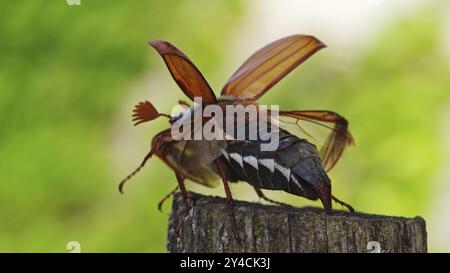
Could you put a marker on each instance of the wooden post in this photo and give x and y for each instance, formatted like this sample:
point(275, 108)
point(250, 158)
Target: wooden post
point(265, 228)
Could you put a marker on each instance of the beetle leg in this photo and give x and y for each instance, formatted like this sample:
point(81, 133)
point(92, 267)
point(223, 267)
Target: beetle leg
point(263, 196)
point(342, 203)
point(160, 203)
point(180, 180)
point(122, 183)
point(222, 174)
point(187, 206)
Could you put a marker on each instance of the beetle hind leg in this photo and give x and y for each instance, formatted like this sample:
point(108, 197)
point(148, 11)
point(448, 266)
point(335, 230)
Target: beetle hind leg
point(342, 203)
point(261, 194)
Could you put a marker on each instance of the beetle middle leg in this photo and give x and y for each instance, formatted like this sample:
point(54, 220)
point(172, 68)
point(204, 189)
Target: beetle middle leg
point(187, 206)
point(342, 203)
point(261, 194)
point(222, 174)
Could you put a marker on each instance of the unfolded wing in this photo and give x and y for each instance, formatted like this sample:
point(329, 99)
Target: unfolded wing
point(184, 72)
point(269, 65)
point(328, 130)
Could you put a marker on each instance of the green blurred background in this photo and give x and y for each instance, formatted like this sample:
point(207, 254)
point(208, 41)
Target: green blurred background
point(70, 75)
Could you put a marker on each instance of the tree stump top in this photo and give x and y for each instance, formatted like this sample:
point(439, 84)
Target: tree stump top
point(206, 227)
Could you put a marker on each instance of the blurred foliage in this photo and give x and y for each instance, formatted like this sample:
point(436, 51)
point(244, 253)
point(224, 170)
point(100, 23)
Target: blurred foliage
point(64, 74)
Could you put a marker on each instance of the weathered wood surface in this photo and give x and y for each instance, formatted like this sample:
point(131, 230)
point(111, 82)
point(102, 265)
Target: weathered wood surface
point(266, 228)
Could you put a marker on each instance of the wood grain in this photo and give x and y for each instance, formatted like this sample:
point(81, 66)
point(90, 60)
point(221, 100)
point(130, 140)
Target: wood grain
point(266, 228)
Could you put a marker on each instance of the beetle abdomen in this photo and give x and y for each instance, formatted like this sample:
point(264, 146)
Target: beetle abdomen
point(294, 167)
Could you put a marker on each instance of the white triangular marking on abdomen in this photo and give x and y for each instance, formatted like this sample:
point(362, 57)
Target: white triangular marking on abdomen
point(252, 161)
point(296, 182)
point(269, 163)
point(225, 154)
point(236, 157)
point(286, 172)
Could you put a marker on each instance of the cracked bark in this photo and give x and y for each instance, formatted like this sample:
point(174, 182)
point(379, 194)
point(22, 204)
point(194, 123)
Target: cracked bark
point(265, 228)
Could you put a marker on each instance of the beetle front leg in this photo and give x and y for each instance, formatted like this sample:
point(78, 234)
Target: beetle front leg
point(122, 183)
